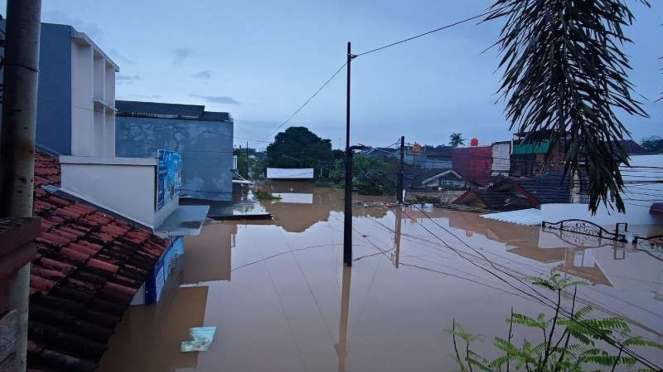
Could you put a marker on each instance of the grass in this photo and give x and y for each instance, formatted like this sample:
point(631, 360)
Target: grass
point(266, 195)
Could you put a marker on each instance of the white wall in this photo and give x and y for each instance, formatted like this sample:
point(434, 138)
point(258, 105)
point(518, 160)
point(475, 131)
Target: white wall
point(290, 173)
point(92, 99)
point(501, 152)
point(122, 185)
point(82, 109)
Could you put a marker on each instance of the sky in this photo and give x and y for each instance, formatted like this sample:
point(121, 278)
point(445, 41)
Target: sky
point(260, 60)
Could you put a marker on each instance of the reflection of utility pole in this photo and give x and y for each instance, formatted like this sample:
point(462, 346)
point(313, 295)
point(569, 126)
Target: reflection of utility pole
point(399, 197)
point(397, 237)
point(342, 346)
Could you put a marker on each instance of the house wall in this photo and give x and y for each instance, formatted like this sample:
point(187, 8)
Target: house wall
point(206, 148)
point(112, 184)
point(54, 93)
point(473, 163)
point(501, 153)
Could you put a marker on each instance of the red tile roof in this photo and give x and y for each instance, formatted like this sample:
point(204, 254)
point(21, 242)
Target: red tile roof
point(89, 266)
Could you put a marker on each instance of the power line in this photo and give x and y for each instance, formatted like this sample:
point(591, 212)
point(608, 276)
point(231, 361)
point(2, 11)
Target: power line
point(540, 296)
point(424, 34)
point(307, 101)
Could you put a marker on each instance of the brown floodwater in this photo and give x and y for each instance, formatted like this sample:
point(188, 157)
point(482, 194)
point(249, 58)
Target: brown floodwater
point(281, 299)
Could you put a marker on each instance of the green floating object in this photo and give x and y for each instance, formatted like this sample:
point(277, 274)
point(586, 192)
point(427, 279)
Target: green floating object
point(201, 339)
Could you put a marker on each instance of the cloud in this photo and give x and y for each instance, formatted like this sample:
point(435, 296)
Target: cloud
point(180, 55)
point(217, 99)
point(92, 29)
point(205, 74)
point(120, 57)
point(121, 79)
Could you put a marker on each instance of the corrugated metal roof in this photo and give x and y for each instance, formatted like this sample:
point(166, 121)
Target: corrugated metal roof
point(525, 217)
point(168, 111)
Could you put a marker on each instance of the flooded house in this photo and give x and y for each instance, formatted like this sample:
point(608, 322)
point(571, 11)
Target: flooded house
point(112, 227)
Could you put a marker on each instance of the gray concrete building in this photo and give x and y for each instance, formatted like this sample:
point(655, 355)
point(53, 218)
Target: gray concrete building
point(205, 140)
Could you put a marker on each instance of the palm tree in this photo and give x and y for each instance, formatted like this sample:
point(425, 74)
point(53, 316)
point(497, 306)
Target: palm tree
point(456, 139)
point(565, 74)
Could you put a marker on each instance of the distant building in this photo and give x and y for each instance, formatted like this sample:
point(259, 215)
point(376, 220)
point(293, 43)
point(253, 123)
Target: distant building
point(520, 193)
point(205, 140)
point(532, 156)
point(501, 162)
point(290, 174)
point(439, 179)
point(473, 163)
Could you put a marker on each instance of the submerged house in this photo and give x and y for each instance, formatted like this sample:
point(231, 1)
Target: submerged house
point(520, 193)
point(204, 138)
point(112, 227)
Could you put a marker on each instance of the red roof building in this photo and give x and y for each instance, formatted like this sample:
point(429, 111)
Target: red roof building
point(473, 163)
point(88, 268)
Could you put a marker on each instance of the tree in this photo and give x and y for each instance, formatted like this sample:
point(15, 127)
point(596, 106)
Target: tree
point(572, 341)
point(371, 176)
point(565, 74)
point(298, 147)
point(256, 162)
point(456, 139)
point(653, 144)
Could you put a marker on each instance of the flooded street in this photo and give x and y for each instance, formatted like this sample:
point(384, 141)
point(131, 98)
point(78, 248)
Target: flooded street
point(281, 300)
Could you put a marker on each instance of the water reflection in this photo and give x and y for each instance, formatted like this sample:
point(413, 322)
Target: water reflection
point(342, 345)
point(277, 290)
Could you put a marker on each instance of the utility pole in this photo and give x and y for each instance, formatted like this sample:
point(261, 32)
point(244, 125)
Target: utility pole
point(248, 169)
point(347, 227)
point(17, 141)
point(399, 197)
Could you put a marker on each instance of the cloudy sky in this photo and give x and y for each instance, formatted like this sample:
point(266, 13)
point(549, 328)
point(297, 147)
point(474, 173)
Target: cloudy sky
point(260, 60)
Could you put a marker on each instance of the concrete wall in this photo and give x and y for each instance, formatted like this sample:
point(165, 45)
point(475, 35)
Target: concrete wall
point(124, 186)
point(54, 93)
point(501, 152)
point(206, 149)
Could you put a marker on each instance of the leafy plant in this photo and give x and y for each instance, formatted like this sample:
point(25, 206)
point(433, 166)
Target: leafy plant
point(266, 195)
point(565, 75)
point(371, 176)
point(572, 344)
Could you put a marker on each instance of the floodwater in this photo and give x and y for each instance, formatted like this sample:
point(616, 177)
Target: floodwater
point(282, 300)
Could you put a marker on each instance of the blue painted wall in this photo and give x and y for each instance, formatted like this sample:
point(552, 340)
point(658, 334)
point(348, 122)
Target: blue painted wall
point(54, 89)
point(54, 94)
point(206, 148)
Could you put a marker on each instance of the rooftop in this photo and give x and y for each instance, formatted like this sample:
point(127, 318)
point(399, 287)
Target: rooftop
point(169, 111)
point(88, 267)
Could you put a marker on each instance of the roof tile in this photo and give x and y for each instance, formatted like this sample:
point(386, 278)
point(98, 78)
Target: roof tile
point(88, 269)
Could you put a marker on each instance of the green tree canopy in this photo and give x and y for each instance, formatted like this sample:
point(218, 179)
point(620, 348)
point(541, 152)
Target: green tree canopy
point(298, 147)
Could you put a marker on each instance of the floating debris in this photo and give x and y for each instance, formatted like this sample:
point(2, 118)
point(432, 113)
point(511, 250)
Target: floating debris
point(201, 339)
